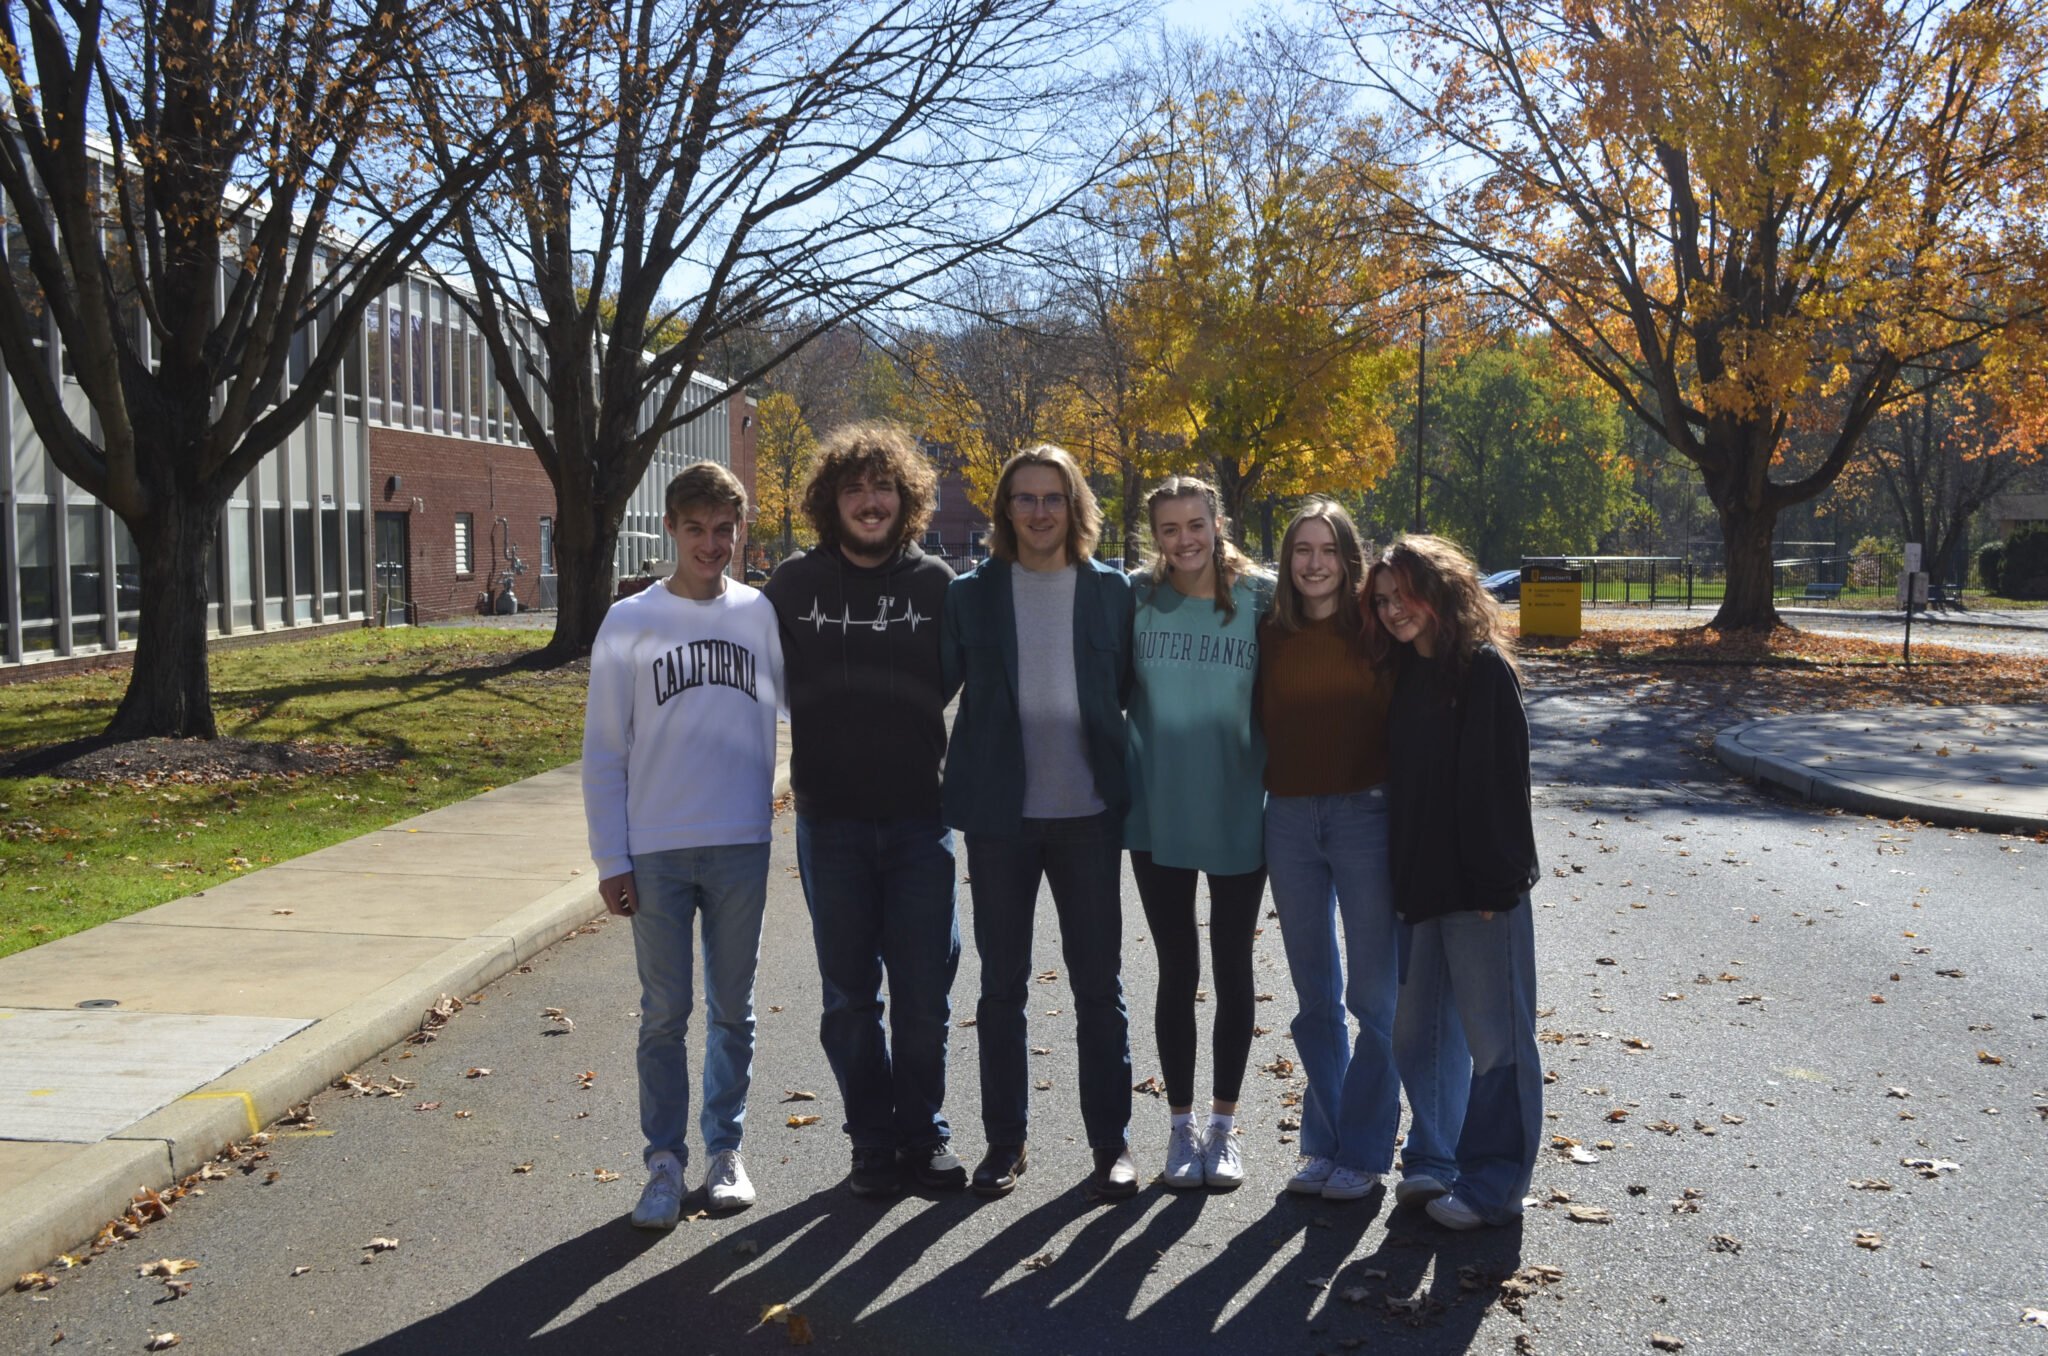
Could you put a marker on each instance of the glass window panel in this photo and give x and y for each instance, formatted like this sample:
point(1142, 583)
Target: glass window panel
point(355, 560)
point(298, 358)
point(373, 325)
point(128, 571)
point(436, 394)
point(273, 552)
point(476, 385)
point(416, 340)
point(465, 543)
point(394, 339)
point(547, 546)
point(88, 583)
point(302, 551)
point(330, 553)
point(36, 553)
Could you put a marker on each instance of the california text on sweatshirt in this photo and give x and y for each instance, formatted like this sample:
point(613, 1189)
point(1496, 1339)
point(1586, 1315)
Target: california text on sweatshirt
point(679, 733)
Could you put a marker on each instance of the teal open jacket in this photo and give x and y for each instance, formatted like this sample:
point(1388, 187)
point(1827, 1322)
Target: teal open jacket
point(983, 791)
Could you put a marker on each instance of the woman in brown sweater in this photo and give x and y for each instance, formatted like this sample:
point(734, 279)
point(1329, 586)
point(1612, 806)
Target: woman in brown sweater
point(1324, 708)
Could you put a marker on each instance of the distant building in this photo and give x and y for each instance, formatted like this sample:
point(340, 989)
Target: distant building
point(959, 528)
point(405, 497)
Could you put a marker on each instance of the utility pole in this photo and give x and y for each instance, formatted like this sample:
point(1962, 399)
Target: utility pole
point(1421, 406)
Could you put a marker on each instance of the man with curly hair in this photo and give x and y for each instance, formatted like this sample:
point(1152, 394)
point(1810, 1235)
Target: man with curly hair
point(859, 617)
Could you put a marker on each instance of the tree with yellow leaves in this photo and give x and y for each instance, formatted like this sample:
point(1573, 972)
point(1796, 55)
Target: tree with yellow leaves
point(1747, 217)
point(783, 448)
point(1256, 307)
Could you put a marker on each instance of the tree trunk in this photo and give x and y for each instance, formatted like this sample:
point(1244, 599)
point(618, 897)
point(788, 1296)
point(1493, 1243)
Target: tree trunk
point(1749, 604)
point(1133, 508)
point(586, 543)
point(170, 692)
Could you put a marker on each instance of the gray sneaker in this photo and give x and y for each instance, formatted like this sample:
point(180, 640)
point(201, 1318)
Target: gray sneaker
point(1419, 1189)
point(725, 1181)
point(1311, 1177)
point(1348, 1184)
point(661, 1200)
point(1183, 1156)
point(1222, 1164)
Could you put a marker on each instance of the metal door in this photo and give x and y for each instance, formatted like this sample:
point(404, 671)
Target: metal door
point(393, 594)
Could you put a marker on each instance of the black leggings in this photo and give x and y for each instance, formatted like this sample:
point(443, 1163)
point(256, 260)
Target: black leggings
point(1168, 893)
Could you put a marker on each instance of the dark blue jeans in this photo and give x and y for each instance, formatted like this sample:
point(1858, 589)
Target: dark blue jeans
point(1082, 859)
point(881, 899)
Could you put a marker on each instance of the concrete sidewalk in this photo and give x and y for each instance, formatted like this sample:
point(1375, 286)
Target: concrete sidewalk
point(132, 1053)
point(1981, 767)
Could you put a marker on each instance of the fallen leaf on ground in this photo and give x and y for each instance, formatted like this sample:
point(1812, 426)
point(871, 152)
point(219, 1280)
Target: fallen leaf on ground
point(1580, 1154)
point(585, 1079)
point(799, 1330)
point(1043, 1085)
point(1986, 1057)
point(1048, 977)
point(604, 1175)
point(161, 1341)
point(476, 1071)
point(1589, 1214)
point(1664, 1341)
point(167, 1266)
point(1725, 1243)
point(799, 1122)
point(801, 1097)
point(1869, 1238)
point(428, 1106)
point(300, 1270)
point(177, 1289)
point(34, 1280)
point(2037, 1317)
point(522, 1167)
point(1152, 1087)
point(1870, 1184)
point(381, 1244)
point(1930, 1167)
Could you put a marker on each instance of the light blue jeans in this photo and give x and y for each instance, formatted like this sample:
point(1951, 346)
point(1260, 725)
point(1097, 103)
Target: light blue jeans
point(727, 887)
point(1468, 984)
point(1327, 858)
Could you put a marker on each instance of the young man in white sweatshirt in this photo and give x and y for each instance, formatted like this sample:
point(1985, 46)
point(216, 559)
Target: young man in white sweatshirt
point(678, 771)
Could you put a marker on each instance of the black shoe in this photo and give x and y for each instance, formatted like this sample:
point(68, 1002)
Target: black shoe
point(1115, 1177)
point(999, 1169)
point(875, 1173)
point(934, 1167)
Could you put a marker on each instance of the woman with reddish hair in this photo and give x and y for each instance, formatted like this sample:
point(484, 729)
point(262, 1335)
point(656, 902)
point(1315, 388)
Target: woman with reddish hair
point(1463, 850)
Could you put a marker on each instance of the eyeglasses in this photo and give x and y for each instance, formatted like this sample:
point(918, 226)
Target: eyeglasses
point(1032, 503)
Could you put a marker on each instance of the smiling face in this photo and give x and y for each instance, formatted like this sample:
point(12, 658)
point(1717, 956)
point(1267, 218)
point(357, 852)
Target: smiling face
point(1184, 530)
point(1316, 567)
point(1403, 617)
point(705, 536)
point(870, 516)
point(1038, 509)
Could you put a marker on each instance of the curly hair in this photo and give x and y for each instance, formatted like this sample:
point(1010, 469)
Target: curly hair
point(876, 451)
point(1287, 613)
point(1231, 563)
point(1084, 515)
point(1442, 583)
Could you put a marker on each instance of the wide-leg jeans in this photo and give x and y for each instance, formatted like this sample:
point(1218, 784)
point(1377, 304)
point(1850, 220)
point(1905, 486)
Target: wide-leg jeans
point(881, 896)
point(727, 889)
point(1469, 984)
point(1082, 860)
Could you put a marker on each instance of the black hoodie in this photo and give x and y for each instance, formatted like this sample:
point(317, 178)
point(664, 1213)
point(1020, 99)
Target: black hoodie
point(867, 695)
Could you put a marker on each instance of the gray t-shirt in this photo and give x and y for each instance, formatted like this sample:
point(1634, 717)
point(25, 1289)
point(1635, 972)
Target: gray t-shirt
point(1058, 782)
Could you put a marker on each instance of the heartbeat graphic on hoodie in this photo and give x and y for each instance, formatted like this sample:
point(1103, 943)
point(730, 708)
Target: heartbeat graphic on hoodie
point(881, 621)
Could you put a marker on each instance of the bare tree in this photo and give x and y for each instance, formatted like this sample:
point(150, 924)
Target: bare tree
point(177, 175)
point(734, 160)
point(1940, 459)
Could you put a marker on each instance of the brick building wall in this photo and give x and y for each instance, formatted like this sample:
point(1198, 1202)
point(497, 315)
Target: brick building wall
point(440, 477)
point(959, 529)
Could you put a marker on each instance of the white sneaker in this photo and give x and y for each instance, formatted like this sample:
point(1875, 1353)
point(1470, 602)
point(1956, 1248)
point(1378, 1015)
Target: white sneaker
point(1222, 1164)
point(1419, 1189)
point(1348, 1184)
point(661, 1200)
point(726, 1181)
point(1312, 1177)
point(1453, 1213)
point(1183, 1156)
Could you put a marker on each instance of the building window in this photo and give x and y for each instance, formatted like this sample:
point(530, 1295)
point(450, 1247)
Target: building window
point(932, 543)
point(547, 546)
point(977, 543)
point(465, 543)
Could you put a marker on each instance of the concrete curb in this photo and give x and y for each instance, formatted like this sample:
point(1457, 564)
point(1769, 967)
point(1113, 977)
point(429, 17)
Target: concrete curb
point(1823, 788)
point(66, 1206)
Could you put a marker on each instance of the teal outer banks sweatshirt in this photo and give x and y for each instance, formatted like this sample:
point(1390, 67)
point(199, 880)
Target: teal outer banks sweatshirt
point(1197, 759)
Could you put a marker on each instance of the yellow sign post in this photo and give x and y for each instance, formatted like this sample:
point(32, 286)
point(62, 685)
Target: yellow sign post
point(1550, 601)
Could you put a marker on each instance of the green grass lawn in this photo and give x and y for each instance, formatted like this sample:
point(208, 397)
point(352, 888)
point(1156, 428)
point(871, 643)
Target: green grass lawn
point(452, 707)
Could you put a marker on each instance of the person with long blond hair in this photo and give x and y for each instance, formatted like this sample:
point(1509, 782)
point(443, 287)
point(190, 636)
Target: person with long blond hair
point(1197, 764)
point(1464, 860)
point(1038, 640)
point(1323, 704)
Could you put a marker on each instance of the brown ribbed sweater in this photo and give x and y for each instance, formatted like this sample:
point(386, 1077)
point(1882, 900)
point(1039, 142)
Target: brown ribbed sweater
point(1324, 709)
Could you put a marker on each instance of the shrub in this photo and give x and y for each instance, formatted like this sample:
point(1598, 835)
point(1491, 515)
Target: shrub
point(2023, 570)
point(1990, 556)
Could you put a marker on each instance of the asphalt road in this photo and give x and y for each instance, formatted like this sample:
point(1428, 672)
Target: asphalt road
point(1748, 1005)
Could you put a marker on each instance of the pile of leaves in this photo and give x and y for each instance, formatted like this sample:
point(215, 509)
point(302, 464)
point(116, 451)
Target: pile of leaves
point(157, 762)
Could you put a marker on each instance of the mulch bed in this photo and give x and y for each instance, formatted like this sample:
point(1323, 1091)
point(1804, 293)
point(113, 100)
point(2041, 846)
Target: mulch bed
point(154, 761)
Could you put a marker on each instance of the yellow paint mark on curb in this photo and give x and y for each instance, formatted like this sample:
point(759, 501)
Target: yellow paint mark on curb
point(248, 1104)
point(42, 1092)
point(304, 1134)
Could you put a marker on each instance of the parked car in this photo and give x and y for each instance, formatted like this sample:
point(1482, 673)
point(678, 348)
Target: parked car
point(1505, 585)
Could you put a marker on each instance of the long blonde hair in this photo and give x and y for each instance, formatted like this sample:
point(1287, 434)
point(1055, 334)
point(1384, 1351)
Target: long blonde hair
point(1084, 516)
point(1231, 563)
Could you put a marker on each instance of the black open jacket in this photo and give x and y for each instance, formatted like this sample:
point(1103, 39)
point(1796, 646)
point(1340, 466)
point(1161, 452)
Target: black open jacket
point(1460, 829)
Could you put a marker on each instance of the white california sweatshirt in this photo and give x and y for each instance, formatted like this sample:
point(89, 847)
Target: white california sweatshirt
point(679, 732)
